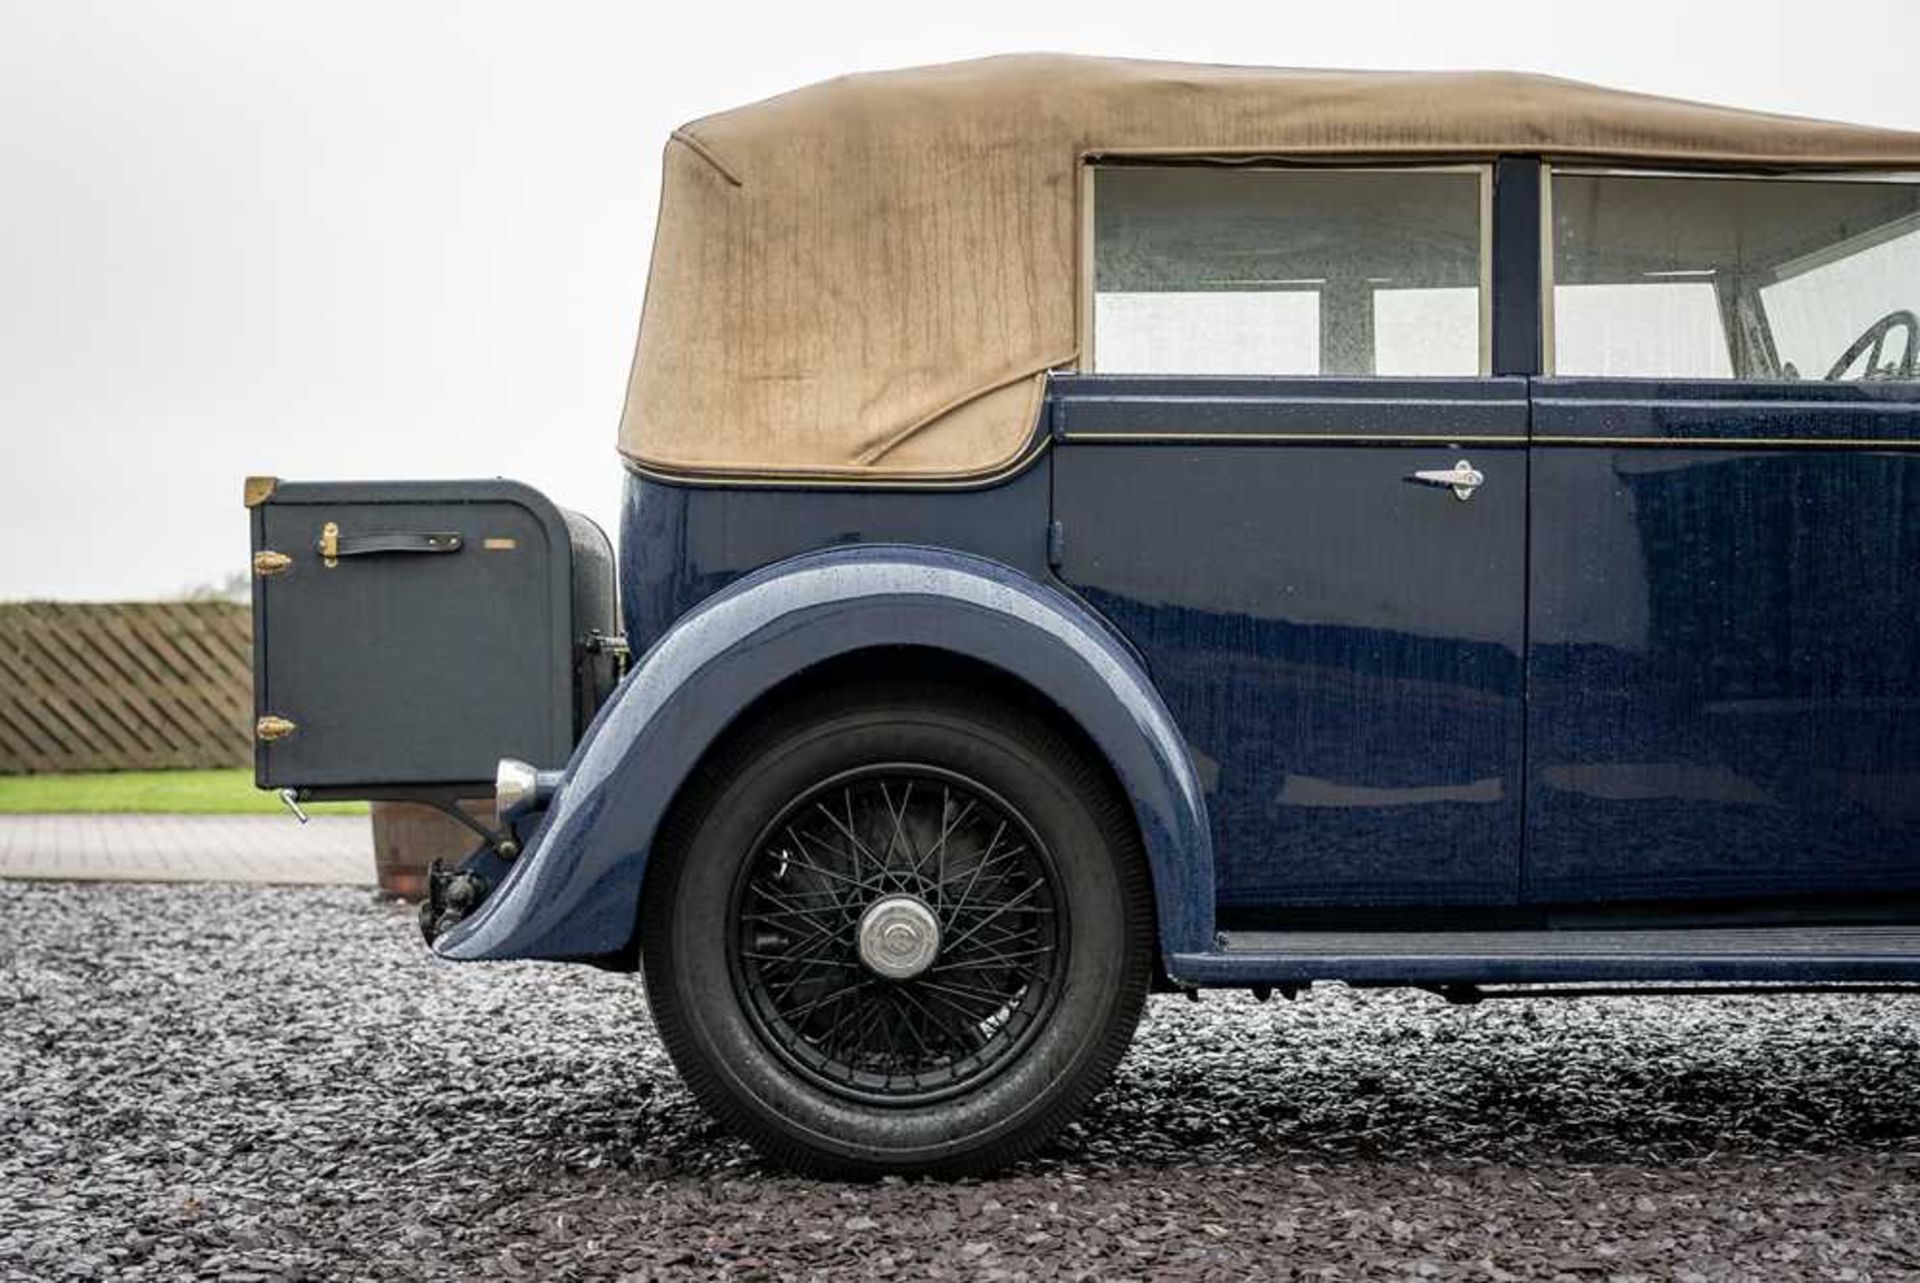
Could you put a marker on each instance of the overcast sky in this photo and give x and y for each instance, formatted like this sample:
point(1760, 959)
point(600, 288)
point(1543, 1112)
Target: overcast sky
point(410, 239)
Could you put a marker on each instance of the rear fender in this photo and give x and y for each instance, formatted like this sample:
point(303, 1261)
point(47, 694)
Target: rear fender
point(574, 891)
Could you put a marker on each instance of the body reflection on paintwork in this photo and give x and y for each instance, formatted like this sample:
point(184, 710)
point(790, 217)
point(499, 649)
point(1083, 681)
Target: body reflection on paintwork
point(1723, 690)
point(1342, 641)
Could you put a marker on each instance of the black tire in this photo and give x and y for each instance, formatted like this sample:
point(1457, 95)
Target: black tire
point(961, 1093)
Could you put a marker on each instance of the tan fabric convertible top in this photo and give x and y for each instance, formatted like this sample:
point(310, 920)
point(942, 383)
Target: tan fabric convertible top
point(867, 278)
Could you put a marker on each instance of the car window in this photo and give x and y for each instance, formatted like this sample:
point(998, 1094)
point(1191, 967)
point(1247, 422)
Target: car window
point(1217, 270)
point(1814, 306)
point(1669, 329)
point(1752, 278)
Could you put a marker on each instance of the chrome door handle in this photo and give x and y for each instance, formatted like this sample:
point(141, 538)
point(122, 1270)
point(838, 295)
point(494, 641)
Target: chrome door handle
point(1462, 478)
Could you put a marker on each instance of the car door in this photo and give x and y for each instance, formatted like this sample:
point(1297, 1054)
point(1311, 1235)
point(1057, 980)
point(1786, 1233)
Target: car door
point(1724, 672)
point(1287, 481)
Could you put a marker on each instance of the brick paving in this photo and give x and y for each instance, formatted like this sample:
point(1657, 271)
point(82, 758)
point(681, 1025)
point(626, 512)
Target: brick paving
point(334, 850)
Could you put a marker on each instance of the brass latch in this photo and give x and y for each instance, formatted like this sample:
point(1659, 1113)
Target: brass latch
point(330, 545)
point(270, 563)
point(270, 728)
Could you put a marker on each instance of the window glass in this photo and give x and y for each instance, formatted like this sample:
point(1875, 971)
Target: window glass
point(1210, 331)
point(1668, 329)
point(1812, 307)
point(1215, 270)
point(1433, 331)
point(1751, 278)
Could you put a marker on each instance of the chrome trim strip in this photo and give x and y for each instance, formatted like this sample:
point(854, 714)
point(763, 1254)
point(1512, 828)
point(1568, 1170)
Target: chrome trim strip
point(1516, 439)
point(1318, 438)
point(1865, 173)
point(1302, 400)
point(1722, 443)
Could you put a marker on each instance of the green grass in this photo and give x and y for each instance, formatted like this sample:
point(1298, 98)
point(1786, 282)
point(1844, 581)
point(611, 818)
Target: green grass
point(154, 792)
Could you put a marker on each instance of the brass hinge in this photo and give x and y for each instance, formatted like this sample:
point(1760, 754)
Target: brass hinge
point(270, 728)
point(270, 563)
point(330, 545)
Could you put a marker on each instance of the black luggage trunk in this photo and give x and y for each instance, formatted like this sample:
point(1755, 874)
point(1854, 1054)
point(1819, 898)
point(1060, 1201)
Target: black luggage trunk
point(409, 634)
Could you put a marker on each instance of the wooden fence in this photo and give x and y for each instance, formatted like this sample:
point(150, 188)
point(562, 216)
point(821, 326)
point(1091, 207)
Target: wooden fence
point(121, 687)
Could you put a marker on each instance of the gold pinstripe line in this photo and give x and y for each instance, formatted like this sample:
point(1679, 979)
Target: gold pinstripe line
point(1318, 437)
point(1394, 438)
point(1764, 443)
point(1039, 447)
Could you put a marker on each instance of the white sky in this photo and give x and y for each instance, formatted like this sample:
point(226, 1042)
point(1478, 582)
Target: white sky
point(408, 239)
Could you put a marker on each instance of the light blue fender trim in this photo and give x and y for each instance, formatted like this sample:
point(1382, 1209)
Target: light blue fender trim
point(575, 890)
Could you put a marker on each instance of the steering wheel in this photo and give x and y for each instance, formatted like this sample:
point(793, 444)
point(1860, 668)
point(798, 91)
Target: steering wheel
point(1876, 339)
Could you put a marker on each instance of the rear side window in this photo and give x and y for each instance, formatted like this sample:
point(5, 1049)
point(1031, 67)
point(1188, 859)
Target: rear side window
point(1207, 269)
point(1750, 278)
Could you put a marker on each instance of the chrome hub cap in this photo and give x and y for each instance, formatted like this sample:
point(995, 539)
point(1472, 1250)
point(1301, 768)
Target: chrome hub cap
point(899, 937)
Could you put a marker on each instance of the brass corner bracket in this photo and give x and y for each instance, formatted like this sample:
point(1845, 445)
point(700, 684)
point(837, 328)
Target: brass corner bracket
point(269, 563)
point(258, 490)
point(270, 728)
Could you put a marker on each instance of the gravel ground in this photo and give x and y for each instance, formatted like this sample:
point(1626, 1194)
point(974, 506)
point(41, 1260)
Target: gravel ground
point(248, 1082)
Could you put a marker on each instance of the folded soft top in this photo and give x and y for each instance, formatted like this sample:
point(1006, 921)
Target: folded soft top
point(868, 278)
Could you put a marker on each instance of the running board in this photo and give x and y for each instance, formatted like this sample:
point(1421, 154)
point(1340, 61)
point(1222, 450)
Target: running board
point(1773, 955)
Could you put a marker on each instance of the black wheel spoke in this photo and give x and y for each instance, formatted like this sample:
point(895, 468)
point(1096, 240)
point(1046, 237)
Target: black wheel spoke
point(988, 961)
point(938, 850)
point(859, 863)
point(786, 916)
point(854, 1013)
point(817, 1003)
point(807, 971)
point(980, 923)
point(986, 858)
point(942, 1032)
point(970, 1020)
point(993, 999)
point(899, 840)
point(820, 870)
point(847, 831)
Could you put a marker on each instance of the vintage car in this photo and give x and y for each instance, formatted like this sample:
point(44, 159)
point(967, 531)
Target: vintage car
point(1101, 526)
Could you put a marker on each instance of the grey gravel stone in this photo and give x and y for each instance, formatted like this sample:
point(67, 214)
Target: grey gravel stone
point(239, 1083)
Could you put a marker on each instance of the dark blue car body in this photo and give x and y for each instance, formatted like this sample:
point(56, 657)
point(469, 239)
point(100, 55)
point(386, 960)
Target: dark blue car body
point(1644, 709)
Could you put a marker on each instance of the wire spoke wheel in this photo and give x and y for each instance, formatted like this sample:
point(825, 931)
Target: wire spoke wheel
point(897, 926)
point(897, 933)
